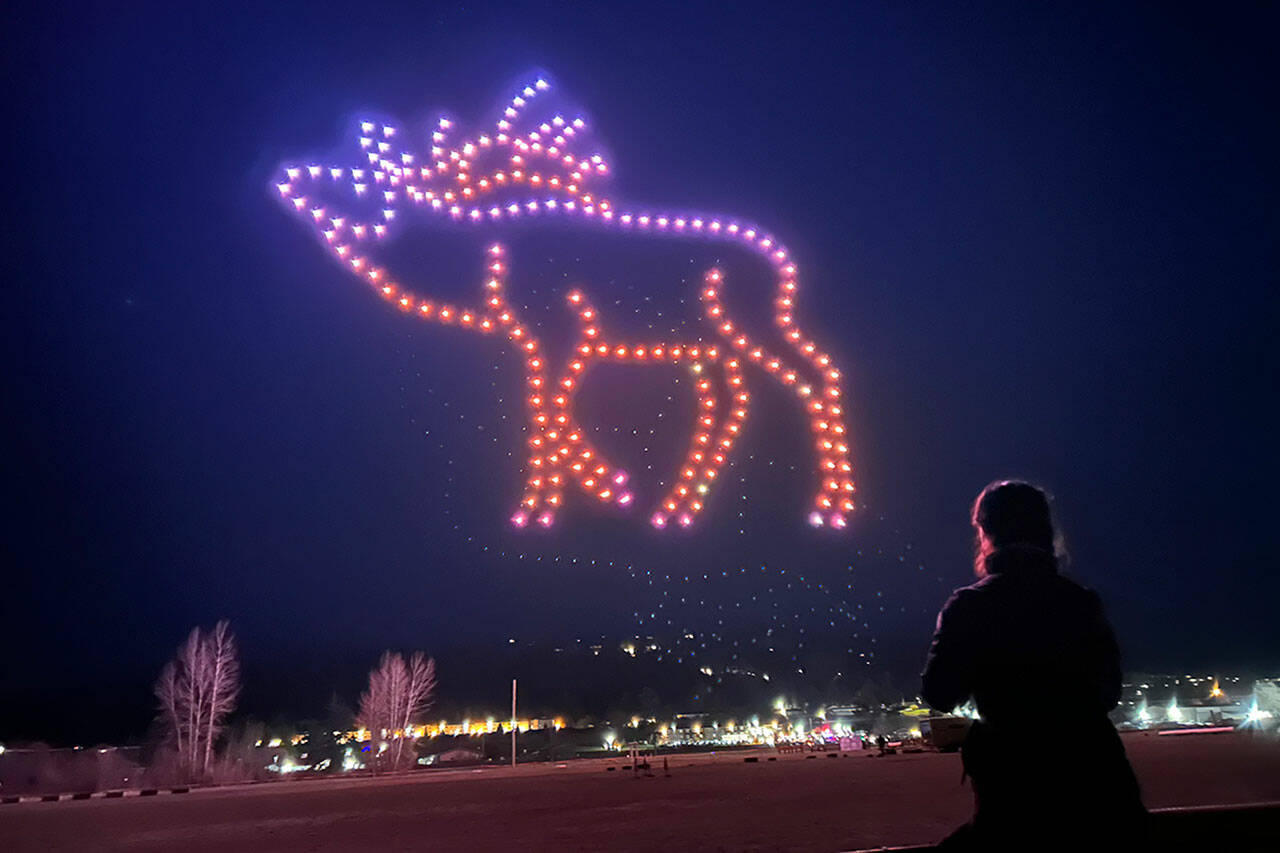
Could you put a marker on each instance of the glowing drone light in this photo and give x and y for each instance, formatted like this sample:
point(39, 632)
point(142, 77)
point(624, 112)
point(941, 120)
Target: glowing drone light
point(523, 169)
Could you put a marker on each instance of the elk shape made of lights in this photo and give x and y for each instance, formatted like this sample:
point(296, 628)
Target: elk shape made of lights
point(523, 169)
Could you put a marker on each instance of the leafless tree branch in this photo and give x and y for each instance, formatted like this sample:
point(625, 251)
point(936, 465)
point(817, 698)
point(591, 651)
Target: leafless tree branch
point(197, 690)
point(399, 693)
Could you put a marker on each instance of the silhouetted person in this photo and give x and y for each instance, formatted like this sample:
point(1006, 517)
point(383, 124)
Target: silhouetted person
point(1037, 656)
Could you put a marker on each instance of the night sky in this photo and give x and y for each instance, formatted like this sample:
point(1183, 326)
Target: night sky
point(1038, 243)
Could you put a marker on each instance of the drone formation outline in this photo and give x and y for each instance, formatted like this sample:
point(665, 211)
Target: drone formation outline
point(525, 168)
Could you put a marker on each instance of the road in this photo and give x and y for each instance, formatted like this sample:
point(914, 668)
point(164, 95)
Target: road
point(795, 803)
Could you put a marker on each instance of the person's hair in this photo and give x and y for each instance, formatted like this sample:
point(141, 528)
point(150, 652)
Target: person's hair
point(1011, 513)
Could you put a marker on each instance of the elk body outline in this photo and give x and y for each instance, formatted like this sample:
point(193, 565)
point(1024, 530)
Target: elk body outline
point(451, 182)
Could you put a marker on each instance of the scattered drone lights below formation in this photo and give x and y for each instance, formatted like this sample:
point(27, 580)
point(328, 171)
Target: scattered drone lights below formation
point(542, 167)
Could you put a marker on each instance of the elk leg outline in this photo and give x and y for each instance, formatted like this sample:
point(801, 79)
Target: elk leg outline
point(834, 497)
point(719, 421)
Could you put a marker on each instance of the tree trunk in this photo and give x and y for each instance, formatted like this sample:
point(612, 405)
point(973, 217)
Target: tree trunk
point(213, 699)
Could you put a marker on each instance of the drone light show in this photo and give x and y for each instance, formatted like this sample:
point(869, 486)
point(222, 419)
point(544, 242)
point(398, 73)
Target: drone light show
point(524, 169)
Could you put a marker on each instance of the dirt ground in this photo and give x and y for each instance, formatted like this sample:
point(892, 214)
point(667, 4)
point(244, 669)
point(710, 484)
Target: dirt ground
point(720, 802)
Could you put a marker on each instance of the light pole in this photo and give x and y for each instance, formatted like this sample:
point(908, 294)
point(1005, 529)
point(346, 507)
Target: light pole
point(513, 723)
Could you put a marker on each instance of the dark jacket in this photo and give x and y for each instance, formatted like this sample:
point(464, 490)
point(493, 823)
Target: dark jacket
point(1024, 642)
point(1036, 654)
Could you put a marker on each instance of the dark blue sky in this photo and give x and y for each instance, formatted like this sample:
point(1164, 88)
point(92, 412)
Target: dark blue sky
point(1040, 243)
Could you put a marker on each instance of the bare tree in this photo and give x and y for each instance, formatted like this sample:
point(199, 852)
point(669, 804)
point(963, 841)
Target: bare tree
point(170, 691)
point(197, 690)
point(419, 694)
point(379, 702)
point(222, 667)
point(399, 694)
point(191, 663)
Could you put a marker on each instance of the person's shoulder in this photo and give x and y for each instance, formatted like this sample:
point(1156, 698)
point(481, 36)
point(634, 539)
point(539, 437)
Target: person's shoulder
point(978, 588)
point(969, 596)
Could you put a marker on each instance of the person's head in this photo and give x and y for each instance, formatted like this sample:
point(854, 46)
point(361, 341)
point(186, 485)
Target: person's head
point(1011, 513)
